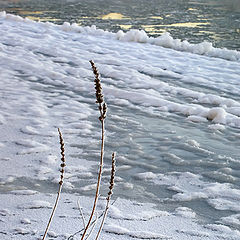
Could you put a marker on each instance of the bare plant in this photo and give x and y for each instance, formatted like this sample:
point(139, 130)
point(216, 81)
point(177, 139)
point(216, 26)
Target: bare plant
point(93, 223)
point(109, 195)
point(102, 106)
point(63, 164)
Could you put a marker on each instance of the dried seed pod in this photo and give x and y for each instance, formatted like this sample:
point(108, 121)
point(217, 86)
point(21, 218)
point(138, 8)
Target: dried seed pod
point(104, 110)
point(60, 183)
point(98, 87)
point(63, 164)
point(112, 177)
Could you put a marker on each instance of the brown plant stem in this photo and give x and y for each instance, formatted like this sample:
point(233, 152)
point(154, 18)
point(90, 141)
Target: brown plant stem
point(109, 196)
point(103, 110)
point(98, 183)
point(53, 211)
point(60, 183)
point(93, 226)
point(93, 222)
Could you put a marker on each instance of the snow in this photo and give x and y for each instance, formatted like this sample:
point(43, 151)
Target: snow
point(46, 83)
point(161, 226)
point(115, 229)
point(36, 204)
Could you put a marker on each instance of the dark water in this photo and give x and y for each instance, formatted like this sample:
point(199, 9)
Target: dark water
point(217, 21)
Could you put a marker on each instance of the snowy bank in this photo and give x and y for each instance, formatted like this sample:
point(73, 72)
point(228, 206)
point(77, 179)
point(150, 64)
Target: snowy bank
point(134, 35)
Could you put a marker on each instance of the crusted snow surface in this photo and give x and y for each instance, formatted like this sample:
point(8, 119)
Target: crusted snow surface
point(30, 223)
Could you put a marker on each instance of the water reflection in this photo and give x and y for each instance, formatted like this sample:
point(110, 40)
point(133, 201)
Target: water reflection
point(113, 16)
point(156, 17)
point(37, 15)
point(154, 29)
point(187, 24)
point(125, 27)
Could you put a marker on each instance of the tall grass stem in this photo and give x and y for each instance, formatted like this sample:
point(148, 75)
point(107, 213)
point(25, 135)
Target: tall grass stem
point(103, 110)
point(109, 195)
point(60, 183)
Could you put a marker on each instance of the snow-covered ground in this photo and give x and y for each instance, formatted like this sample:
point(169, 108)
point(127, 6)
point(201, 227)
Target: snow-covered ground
point(190, 96)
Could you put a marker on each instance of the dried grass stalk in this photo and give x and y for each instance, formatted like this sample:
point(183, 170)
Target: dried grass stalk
point(93, 223)
point(63, 164)
point(109, 195)
point(93, 226)
point(102, 106)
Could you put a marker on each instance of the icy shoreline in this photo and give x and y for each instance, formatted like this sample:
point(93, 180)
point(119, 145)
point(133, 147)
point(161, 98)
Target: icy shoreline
point(133, 35)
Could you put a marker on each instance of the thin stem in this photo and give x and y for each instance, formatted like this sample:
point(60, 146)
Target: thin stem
point(93, 222)
point(98, 182)
point(109, 196)
point(78, 232)
point(103, 220)
point(93, 226)
point(81, 213)
point(60, 182)
point(53, 211)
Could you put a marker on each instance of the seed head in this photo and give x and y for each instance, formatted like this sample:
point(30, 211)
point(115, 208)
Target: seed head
point(98, 87)
point(112, 177)
point(63, 164)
